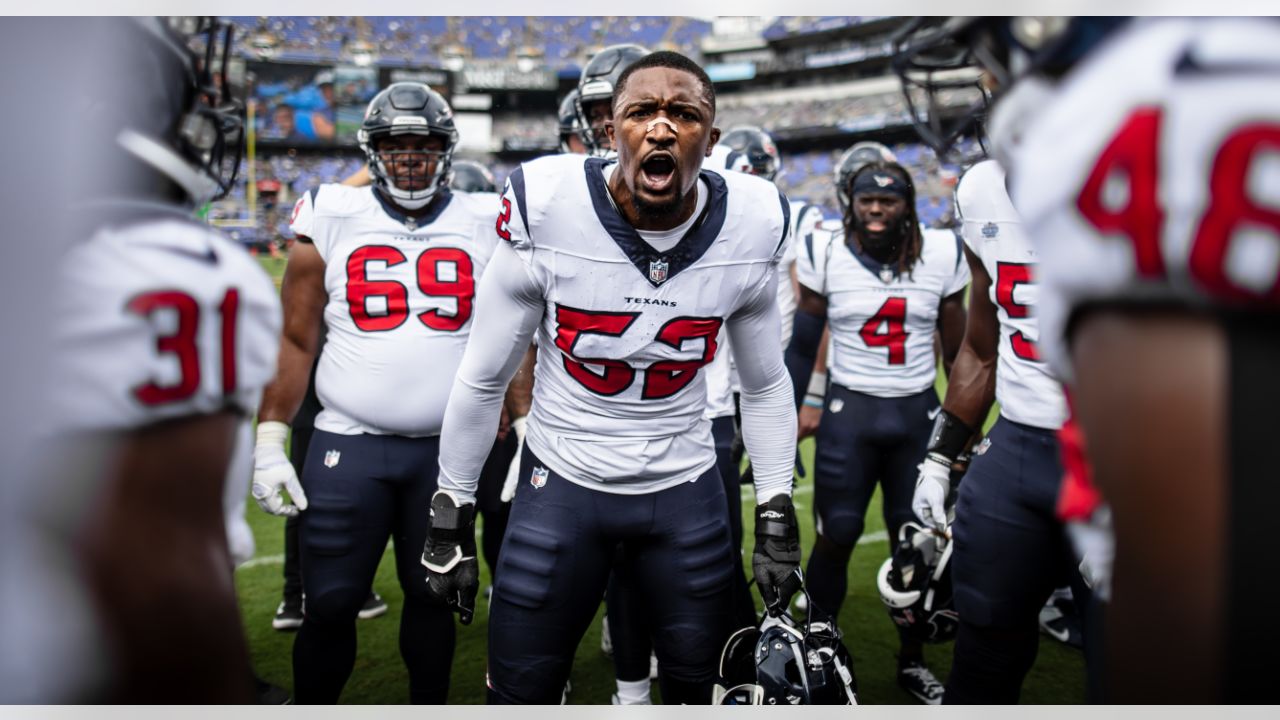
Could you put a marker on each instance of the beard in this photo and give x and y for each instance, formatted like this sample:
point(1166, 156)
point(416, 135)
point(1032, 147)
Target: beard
point(656, 212)
point(883, 245)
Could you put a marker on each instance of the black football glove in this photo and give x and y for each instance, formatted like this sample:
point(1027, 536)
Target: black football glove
point(453, 575)
point(776, 559)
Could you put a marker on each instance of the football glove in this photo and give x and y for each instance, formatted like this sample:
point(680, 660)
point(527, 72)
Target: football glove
point(933, 485)
point(513, 472)
point(272, 472)
point(1095, 544)
point(453, 575)
point(776, 558)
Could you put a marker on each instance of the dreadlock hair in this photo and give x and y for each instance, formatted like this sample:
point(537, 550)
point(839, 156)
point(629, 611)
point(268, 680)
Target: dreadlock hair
point(912, 239)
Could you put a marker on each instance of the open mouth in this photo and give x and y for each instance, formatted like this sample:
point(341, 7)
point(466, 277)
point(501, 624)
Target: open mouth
point(876, 226)
point(657, 173)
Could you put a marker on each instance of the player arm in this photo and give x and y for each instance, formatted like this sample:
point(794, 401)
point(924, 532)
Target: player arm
point(509, 306)
point(951, 328)
point(156, 555)
point(971, 384)
point(519, 400)
point(304, 299)
point(809, 338)
point(767, 403)
point(359, 178)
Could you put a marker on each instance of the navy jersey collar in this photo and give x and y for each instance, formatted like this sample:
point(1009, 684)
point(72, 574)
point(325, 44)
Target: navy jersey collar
point(438, 203)
point(886, 273)
point(658, 267)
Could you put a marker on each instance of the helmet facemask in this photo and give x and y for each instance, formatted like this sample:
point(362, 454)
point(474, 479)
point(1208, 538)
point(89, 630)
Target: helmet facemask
point(409, 176)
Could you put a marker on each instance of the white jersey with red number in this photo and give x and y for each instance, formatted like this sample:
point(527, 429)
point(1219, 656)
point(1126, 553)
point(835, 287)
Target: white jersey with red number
point(1151, 171)
point(882, 323)
point(1026, 389)
point(619, 392)
point(400, 303)
point(162, 318)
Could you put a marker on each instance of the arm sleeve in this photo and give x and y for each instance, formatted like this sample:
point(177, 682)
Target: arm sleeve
point(509, 306)
point(768, 407)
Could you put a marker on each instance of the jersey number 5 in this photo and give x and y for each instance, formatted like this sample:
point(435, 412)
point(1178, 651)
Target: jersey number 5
point(662, 379)
point(182, 343)
point(1230, 212)
point(359, 288)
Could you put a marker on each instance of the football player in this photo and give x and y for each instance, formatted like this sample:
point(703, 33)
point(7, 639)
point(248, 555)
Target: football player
point(571, 125)
point(1005, 507)
point(1141, 156)
point(391, 271)
point(165, 337)
point(626, 310)
point(884, 285)
point(595, 94)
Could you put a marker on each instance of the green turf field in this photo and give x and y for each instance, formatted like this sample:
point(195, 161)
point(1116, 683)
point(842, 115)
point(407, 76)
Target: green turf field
point(379, 675)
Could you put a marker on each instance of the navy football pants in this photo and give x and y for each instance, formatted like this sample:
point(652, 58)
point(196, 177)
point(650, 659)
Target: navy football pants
point(862, 440)
point(556, 558)
point(1010, 553)
point(379, 487)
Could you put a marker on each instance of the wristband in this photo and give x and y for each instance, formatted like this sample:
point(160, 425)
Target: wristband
point(817, 385)
point(812, 401)
point(950, 437)
point(272, 432)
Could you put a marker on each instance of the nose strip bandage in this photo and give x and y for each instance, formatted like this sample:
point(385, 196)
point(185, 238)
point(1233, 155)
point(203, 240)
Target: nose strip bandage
point(654, 123)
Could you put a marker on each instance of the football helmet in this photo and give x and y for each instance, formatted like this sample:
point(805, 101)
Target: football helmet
point(597, 84)
point(570, 122)
point(752, 152)
point(470, 176)
point(940, 58)
point(782, 662)
point(181, 119)
point(853, 160)
point(407, 108)
point(915, 584)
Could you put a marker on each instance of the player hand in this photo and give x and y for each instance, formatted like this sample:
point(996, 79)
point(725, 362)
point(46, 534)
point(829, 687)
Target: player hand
point(807, 422)
point(1095, 545)
point(776, 558)
point(513, 471)
point(273, 472)
point(453, 575)
point(933, 484)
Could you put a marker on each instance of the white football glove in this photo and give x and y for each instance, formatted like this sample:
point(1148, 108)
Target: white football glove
point(1095, 545)
point(513, 472)
point(272, 471)
point(932, 487)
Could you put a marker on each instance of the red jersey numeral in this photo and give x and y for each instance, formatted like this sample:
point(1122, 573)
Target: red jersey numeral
point(662, 379)
point(571, 324)
point(667, 377)
point(360, 288)
point(1008, 277)
point(182, 343)
point(504, 218)
point(893, 316)
point(1129, 166)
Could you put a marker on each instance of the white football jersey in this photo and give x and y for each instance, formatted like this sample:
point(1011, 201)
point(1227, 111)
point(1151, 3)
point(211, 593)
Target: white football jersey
point(401, 297)
point(882, 323)
point(619, 392)
point(1026, 389)
point(161, 318)
point(1151, 171)
point(722, 376)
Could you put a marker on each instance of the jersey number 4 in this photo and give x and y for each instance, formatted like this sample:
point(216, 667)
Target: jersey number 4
point(360, 289)
point(1229, 213)
point(662, 379)
point(182, 343)
point(892, 315)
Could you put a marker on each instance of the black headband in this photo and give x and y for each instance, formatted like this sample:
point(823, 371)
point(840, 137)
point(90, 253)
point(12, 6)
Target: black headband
point(881, 182)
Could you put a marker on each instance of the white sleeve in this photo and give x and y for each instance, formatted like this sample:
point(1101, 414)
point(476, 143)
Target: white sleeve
point(304, 213)
point(509, 306)
point(811, 260)
point(961, 276)
point(768, 407)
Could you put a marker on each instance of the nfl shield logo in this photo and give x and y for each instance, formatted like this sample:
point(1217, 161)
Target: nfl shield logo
point(886, 274)
point(658, 271)
point(539, 477)
point(331, 458)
